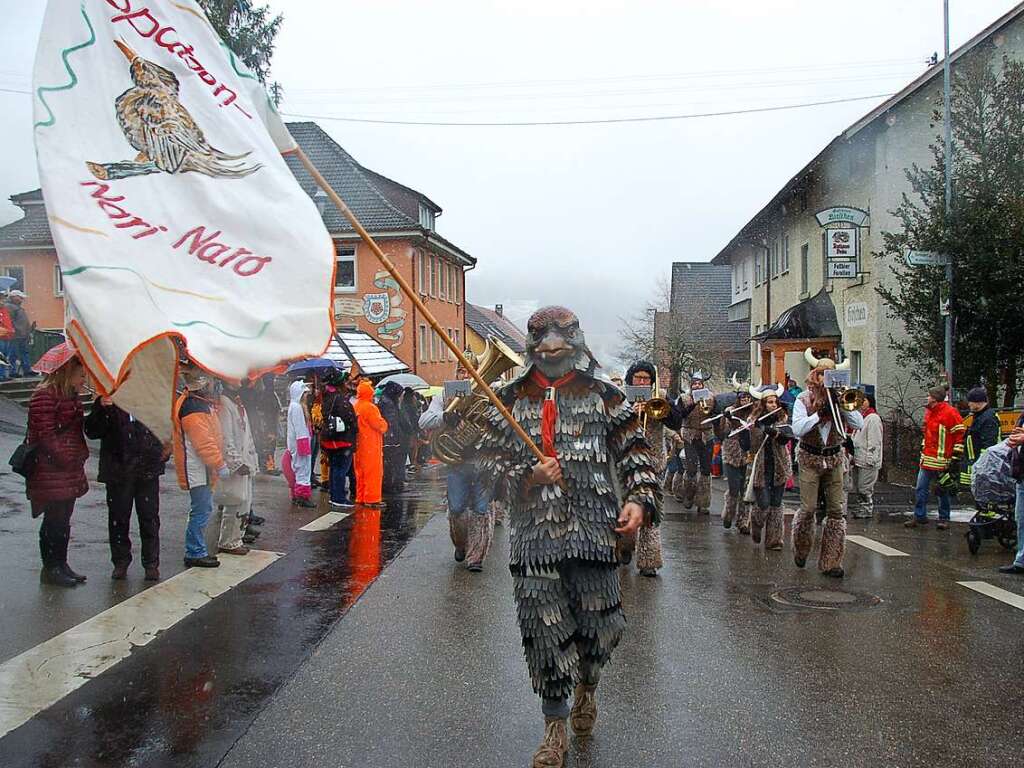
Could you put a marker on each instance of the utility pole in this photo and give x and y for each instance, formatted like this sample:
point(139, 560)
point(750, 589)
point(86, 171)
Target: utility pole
point(949, 190)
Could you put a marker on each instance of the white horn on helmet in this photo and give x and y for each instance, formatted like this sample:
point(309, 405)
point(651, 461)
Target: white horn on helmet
point(779, 390)
point(811, 359)
point(755, 392)
point(735, 383)
point(844, 366)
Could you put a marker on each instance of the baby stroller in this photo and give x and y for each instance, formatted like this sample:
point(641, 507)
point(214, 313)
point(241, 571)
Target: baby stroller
point(994, 494)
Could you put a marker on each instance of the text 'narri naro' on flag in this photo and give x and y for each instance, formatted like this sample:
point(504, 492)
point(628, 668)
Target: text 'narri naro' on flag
point(172, 209)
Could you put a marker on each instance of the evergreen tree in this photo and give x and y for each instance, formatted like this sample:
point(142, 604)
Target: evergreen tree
point(250, 31)
point(984, 235)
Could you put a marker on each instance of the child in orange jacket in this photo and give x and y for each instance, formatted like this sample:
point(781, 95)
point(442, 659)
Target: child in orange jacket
point(369, 455)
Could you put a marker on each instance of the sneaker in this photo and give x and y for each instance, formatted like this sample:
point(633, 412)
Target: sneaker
point(242, 550)
point(209, 561)
point(304, 503)
point(1012, 568)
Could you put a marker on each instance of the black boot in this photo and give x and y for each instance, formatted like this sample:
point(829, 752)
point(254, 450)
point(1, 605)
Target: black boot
point(54, 576)
point(80, 578)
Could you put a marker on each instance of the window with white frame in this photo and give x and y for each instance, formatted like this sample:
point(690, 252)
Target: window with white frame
point(805, 265)
point(757, 269)
point(785, 254)
point(345, 275)
point(433, 275)
point(423, 344)
point(18, 273)
point(421, 273)
point(442, 291)
point(735, 278)
point(746, 275)
point(426, 217)
point(58, 281)
point(457, 283)
point(775, 259)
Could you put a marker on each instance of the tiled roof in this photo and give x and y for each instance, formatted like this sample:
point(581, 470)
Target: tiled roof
point(701, 294)
point(373, 358)
point(381, 204)
point(487, 322)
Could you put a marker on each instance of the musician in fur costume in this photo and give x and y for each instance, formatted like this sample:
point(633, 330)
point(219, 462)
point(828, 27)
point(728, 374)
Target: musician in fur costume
point(736, 454)
point(697, 438)
point(648, 539)
point(565, 516)
point(771, 466)
point(820, 463)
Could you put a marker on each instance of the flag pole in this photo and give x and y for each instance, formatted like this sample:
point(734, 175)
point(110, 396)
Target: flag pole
point(417, 302)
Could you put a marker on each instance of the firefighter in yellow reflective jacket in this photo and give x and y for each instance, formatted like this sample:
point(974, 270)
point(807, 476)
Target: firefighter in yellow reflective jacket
point(981, 435)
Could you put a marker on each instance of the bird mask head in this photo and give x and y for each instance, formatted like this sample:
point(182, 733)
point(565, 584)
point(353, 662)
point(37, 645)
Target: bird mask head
point(556, 345)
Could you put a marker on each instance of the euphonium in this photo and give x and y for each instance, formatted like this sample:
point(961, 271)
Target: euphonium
point(450, 444)
point(851, 399)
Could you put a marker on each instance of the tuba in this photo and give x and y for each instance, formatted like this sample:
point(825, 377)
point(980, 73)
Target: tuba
point(450, 444)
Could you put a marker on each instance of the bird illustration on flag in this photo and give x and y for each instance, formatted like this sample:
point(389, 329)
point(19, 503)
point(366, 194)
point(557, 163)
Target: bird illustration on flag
point(159, 126)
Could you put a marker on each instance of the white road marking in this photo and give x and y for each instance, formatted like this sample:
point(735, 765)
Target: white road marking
point(876, 546)
point(42, 676)
point(324, 522)
point(1002, 595)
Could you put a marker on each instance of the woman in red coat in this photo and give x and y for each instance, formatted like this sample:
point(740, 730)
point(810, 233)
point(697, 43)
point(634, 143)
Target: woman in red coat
point(369, 455)
point(55, 419)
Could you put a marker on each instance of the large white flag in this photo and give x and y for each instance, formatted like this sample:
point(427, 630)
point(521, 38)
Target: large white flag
point(171, 206)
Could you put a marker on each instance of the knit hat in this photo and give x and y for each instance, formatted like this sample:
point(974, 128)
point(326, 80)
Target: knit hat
point(977, 395)
point(937, 392)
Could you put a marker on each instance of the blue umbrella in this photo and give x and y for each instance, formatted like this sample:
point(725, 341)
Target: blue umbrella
point(6, 283)
point(313, 364)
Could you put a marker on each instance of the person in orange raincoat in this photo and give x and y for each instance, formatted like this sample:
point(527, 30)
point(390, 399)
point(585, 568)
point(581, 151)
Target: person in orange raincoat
point(369, 456)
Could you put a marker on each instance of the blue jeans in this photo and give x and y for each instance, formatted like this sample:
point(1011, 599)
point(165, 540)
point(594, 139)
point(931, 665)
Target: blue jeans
point(1018, 511)
point(340, 462)
point(924, 483)
point(198, 516)
point(5, 351)
point(17, 356)
point(466, 492)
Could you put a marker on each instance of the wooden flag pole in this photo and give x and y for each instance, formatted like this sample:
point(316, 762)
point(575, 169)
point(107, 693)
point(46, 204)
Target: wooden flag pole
point(417, 302)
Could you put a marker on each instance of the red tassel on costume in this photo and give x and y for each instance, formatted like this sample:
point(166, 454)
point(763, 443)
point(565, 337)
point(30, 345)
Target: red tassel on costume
point(549, 413)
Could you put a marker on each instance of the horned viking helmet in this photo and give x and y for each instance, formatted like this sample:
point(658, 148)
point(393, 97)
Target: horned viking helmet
point(825, 363)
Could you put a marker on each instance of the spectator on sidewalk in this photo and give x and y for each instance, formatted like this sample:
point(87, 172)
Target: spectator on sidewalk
point(943, 430)
point(369, 454)
point(981, 435)
point(132, 460)
point(338, 438)
point(867, 460)
point(396, 439)
point(17, 346)
point(6, 336)
point(55, 417)
point(1016, 442)
point(233, 495)
point(198, 461)
point(297, 461)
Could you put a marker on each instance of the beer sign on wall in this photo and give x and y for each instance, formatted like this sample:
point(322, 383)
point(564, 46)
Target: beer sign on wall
point(842, 240)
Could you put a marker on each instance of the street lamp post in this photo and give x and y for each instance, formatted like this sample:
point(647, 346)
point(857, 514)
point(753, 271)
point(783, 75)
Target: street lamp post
point(949, 190)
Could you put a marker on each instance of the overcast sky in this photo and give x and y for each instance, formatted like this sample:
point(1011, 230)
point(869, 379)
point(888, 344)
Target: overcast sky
point(587, 216)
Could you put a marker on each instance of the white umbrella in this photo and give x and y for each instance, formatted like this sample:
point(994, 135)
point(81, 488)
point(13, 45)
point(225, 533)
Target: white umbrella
point(410, 380)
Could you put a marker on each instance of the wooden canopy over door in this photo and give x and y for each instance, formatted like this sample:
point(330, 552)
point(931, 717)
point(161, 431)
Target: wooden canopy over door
point(773, 354)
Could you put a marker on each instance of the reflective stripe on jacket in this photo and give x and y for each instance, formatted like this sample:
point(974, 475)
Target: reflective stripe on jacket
point(943, 429)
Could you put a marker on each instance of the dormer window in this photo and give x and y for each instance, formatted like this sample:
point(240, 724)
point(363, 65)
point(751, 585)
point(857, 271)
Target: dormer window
point(426, 218)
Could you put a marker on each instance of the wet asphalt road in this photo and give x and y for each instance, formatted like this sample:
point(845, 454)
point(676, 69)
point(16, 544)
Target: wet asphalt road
point(425, 669)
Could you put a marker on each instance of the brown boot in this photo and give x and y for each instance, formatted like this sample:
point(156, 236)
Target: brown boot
point(584, 709)
point(551, 752)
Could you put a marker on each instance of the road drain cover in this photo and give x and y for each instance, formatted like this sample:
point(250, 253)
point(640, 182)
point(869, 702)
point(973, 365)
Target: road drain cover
point(824, 599)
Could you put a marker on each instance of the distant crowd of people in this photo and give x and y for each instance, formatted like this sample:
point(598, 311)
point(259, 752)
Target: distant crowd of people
point(340, 435)
point(15, 332)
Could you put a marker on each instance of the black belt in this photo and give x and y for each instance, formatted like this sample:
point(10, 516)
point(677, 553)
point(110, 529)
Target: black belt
point(831, 450)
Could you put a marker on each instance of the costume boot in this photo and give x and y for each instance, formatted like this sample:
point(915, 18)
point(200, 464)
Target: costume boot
point(648, 553)
point(743, 518)
point(803, 535)
point(551, 752)
point(669, 480)
point(703, 495)
point(679, 488)
point(481, 531)
point(833, 544)
point(584, 710)
point(729, 512)
point(458, 528)
point(689, 490)
point(757, 520)
point(774, 529)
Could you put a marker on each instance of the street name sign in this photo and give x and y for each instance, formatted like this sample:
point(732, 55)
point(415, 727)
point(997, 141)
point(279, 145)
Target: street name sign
point(926, 259)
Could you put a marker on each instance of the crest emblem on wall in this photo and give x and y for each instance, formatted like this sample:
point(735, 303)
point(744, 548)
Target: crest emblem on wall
point(376, 307)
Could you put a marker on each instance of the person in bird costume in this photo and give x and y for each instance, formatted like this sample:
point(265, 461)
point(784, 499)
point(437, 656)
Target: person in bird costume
point(369, 455)
point(162, 130)
point(599, 481)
